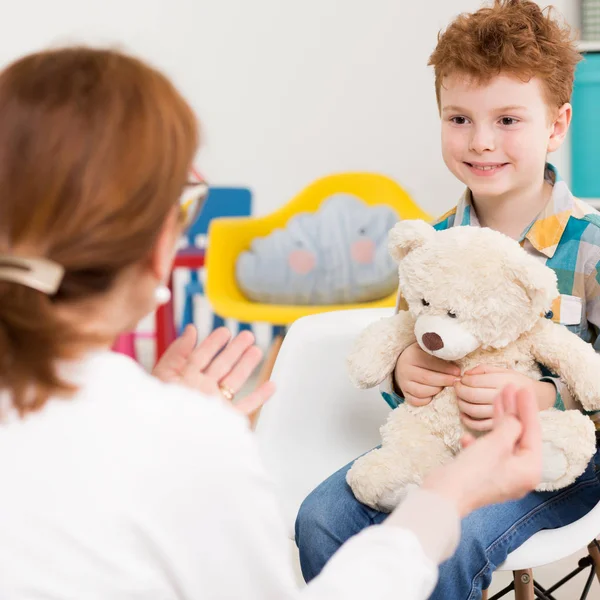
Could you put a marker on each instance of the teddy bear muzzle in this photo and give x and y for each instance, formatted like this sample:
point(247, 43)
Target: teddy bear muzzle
point(432, 341)
point(444, 337)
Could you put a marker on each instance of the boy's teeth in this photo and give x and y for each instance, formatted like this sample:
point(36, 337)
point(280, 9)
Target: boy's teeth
point(486, 168)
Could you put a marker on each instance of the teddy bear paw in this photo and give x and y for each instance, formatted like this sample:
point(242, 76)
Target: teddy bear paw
point(569, 442)
point(554, 466)
point(390, 498)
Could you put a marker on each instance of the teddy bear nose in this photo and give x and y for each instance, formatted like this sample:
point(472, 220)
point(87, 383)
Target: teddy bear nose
point(433, 341)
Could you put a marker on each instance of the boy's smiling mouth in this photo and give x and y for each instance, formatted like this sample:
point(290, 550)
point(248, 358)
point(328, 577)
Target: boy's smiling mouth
point(485, 169)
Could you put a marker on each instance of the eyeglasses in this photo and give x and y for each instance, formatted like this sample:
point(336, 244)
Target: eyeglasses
point(192, 198)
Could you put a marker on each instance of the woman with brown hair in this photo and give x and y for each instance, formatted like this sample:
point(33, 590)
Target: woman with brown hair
point(116, 484)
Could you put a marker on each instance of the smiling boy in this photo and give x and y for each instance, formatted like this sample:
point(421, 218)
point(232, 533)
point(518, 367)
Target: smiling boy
point(504, 77)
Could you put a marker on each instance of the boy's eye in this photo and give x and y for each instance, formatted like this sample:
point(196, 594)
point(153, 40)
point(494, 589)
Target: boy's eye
point(508, 121)
point(459, 120)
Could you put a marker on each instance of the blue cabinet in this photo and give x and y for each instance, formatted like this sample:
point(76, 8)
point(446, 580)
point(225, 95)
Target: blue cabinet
point(585, 128)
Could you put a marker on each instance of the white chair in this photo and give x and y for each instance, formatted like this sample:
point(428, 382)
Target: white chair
point(317, 422)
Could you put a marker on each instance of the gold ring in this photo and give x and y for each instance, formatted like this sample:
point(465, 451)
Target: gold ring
point(227, 392)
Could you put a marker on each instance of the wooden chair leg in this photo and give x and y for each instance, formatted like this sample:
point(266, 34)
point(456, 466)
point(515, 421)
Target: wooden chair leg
point(266, 370)
point(484, 595)
point(524, 585)
point(595, 555)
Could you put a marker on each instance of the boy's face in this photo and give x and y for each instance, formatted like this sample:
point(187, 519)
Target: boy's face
point(495, 137)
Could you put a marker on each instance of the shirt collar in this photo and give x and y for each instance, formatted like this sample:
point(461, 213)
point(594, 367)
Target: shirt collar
point(545, 231)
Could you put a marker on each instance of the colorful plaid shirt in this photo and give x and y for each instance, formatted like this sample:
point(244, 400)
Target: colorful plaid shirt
point(566, 237)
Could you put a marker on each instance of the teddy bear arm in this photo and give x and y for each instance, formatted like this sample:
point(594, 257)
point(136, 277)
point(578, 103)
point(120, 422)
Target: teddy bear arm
point(376, 350)
point(572, 359)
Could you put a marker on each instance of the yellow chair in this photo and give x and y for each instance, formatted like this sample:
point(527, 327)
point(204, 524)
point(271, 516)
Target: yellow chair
point(228, 237)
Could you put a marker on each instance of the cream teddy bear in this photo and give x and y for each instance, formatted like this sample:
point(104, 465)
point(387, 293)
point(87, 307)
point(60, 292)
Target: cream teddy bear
point(474, 296)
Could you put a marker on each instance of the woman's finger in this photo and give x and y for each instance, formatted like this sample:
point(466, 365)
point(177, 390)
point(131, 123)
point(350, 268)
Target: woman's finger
point(225, 361)
point(467, 439)
point(196, 380)
point(498, 408)
point(504, 436)
point(509, 399)
point(208, 349)
point(527, 413)
point(242, 370)
point(175, 357)
point(251, 403)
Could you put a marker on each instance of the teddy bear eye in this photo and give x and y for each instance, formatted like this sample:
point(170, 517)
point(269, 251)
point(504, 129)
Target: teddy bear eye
point(451, 314)
point(424, 302)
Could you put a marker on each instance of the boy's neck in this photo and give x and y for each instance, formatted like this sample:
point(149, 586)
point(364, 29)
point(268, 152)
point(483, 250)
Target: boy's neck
point(512, 214)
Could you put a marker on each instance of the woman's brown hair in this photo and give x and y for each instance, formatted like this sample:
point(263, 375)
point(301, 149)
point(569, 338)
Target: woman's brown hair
point(95, 148)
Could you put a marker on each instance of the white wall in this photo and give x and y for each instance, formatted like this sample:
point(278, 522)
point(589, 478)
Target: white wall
point(287, 90)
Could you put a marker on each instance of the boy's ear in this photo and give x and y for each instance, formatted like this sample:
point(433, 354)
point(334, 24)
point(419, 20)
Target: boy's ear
point(560, 127)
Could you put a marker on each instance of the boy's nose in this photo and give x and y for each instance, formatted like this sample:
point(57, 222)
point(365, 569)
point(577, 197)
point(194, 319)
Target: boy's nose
point(482, 140)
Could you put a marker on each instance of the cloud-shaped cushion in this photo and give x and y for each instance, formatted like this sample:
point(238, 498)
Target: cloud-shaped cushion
point(336, 255)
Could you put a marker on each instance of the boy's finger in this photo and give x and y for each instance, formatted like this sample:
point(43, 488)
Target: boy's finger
point(476, 411)
point(433, 378)
point(476, 425)
point(414, 401)
point(433, 363)
point(485, 380)
point(419, 390)
point(475, 395)
point(483, 369)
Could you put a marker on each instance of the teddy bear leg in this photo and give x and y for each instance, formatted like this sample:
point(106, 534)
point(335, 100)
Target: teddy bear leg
point(382, 477)
point(569, 443)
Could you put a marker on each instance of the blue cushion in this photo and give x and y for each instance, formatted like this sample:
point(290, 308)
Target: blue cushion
point(336, 255)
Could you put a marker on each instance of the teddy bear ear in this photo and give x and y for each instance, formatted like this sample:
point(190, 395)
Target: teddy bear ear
point(538, 281)
point(405, 236)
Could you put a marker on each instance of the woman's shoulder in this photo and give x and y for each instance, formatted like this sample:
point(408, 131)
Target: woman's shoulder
point(122, 393)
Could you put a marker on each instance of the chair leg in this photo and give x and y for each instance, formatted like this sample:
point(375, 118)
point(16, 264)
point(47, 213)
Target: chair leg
point(594, 550)
point(266, 370)
point(484, 595)
point(524, 585)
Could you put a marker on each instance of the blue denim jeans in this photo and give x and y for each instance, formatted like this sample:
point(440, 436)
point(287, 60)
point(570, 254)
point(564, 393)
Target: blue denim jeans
point(331, 514)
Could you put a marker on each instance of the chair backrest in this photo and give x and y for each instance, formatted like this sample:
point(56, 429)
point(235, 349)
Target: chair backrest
point(317, 421)
point(230, 237)
point(220, 202)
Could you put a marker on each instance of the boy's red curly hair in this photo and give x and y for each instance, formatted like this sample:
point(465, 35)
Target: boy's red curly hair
point(513, 37)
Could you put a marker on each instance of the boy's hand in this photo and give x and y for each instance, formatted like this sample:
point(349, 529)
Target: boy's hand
point(421, 376)
point(478, 388)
